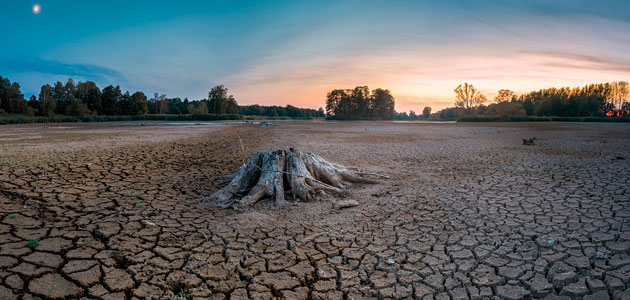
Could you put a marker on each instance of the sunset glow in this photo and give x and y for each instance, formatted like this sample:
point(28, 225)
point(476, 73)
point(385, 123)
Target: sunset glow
point(294, 54)
point(416, 87)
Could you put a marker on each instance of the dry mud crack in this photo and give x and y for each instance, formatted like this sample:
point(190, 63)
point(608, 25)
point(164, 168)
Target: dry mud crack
point(468, 213)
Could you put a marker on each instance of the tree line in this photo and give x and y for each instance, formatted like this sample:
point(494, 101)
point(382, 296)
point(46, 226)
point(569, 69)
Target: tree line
point(221, 102)
point(73, 99)
point(281, 111)
point(597, 100)
point(86, 98)
point(412, 116)
point(360, 103)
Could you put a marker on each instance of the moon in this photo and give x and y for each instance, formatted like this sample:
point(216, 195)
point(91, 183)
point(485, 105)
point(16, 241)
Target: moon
point(37, 8)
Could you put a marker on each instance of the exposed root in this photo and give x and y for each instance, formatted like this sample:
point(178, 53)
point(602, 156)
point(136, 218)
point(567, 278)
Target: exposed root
point(305, 176)
point(332, 173)
point(241, 183)
point(339, 204)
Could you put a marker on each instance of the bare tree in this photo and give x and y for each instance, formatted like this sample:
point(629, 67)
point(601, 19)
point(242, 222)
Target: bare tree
point(160, 103)
point(619, 93)
point(468, 97)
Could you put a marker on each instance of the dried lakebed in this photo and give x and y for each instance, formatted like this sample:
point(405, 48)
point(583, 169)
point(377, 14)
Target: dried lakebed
point(112, 212)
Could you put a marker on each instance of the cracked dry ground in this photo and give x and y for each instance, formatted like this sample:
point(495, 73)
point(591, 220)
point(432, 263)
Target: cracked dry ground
point(469, 213)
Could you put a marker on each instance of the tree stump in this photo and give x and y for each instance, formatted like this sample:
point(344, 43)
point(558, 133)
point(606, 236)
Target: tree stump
point(302, 175)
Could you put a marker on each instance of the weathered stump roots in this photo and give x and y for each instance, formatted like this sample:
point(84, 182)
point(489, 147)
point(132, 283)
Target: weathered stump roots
point(301, 175)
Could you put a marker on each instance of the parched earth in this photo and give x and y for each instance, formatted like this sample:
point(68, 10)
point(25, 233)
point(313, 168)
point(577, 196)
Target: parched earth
point(100, 211)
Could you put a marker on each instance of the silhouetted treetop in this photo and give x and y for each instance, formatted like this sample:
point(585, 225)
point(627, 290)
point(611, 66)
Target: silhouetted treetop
point(359, 103)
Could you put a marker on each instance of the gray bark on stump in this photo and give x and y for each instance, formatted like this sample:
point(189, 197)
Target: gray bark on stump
point(305, 176)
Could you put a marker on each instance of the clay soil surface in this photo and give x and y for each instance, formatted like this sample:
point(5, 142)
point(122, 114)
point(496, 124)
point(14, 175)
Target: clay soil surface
point(103, 211)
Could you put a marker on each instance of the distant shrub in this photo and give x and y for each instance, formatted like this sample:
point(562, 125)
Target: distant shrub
point(505, 109)
point(542, 119)
point(349, 118)
point(23, 119)
point(288, 118)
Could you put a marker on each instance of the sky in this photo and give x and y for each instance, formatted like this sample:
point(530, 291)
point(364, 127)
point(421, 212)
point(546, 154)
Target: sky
point(295, 52)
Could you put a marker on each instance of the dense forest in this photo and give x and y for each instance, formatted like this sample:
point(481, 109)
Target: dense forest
point(86, 98)
point(360, 103)
point(594, 100)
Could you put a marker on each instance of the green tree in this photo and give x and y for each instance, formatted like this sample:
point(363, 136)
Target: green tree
point(124, 106)
point(220, 102)
point(451, 113)
point(351, 104)
point(110, 99)
point(58, 95)
point(138, 104)
point(77, 108)
point(11, 98)
point(528, 106)
point(426, 112)
point(47, 104)
point(198, 108)
point(338, 103)
point(64, 96)
point(32, 106)
point(383, 104)
point(175, 106)
point(505, 108)
point(90, 95)
point(361, 102)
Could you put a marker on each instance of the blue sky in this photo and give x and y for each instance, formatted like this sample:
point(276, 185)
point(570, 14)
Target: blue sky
point(292, 52)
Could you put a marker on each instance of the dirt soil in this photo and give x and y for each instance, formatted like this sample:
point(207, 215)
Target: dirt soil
point(99, 211)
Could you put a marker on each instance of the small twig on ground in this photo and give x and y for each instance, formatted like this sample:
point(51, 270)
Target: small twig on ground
point(339, 204)
point(204, 234)
point(373, 174)
point(113, 220)
point(310, 238)
point(242, 148)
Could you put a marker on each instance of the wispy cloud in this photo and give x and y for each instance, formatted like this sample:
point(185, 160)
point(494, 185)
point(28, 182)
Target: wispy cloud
point(582, 61)
point(53, 67)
